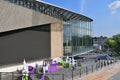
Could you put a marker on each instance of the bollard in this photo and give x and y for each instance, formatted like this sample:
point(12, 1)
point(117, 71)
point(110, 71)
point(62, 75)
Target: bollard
point(73, 68)
point(12, 76)
point(107, 63)
point(97, 67)
point(86, 70)
point(0, 75)
point(62, 76)
point(72, 75)
point(80, 72)
point(104, 63)
point(101, 64)
point(53, 77)
point(92, 68)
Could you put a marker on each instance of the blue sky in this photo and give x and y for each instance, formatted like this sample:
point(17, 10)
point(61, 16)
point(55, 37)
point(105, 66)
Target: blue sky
point(105, 13)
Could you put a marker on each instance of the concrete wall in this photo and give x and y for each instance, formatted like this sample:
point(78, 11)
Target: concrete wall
point(31, 44)
point(13, 16)
point(56, 39)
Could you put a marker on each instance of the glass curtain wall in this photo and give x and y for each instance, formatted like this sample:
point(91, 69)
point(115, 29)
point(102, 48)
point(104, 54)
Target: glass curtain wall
point(77, 37)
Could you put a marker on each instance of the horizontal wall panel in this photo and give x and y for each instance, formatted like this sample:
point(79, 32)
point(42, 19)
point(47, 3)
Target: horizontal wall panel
point(13, 16)
point(30, 44)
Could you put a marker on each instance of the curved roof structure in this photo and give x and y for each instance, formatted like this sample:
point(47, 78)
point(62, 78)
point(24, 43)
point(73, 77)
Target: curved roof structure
point(51, 10)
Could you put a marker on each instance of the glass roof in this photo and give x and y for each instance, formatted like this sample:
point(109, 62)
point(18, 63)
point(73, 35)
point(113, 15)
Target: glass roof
point(51, 10)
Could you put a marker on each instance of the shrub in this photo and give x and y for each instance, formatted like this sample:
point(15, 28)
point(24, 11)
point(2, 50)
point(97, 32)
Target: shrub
point(79, 64)
point(67, 65)
point(47, 78)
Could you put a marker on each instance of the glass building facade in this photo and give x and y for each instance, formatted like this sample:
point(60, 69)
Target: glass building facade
point(77, 37)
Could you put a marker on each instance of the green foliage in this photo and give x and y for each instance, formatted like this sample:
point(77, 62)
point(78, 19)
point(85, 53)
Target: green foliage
point(47, 78)
point(113, 44)
point(117, 55)
point(79, 64)
point(26, 78)
point(67, 65)
point(36, 71)
point(63, 62)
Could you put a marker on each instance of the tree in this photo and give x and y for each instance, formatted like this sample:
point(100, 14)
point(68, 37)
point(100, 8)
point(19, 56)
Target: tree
point(113, 44)
point(117, 39)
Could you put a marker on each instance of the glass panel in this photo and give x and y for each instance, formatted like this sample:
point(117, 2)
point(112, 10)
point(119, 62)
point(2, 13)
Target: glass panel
point(77, 37)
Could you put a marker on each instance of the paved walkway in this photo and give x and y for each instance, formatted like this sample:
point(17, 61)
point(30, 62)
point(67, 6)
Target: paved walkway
point(105, 73)
point(115, 77)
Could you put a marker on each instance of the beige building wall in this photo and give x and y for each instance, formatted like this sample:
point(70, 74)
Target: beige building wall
point(56, 39)
point(13, 16)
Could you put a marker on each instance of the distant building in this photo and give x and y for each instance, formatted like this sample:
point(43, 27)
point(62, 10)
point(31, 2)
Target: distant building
point(98, 42)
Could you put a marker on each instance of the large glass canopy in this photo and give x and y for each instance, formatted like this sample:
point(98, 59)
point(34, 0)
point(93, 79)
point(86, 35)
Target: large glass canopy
point(51, 10)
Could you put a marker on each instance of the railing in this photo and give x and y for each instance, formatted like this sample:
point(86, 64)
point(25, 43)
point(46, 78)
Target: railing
point(15, 76)
point(78, 73)
point(63, 74)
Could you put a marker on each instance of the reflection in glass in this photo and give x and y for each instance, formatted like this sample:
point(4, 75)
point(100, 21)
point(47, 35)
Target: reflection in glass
point(77, 37)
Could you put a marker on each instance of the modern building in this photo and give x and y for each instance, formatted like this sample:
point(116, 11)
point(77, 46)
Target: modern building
point(99, 42)
point(35, 30)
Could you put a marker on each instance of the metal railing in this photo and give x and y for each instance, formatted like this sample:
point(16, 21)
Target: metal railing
point(16, 76)
point(78, 73)
point(63, 74)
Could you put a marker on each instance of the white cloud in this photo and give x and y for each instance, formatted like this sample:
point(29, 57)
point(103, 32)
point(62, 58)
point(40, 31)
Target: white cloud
point(114, 6)
point(82, 5)
point(113, 11)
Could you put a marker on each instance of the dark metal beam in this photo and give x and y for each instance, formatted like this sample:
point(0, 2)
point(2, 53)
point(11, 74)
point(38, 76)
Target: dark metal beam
point(71, 15)
point(45, 9)
point(74, 17)
point(53, 10)
point(61, 14)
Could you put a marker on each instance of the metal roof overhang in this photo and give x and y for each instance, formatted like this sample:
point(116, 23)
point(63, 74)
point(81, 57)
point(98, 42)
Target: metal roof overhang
point(51, 10)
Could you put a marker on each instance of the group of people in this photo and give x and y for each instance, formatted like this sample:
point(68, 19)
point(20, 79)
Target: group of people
point(27, 71)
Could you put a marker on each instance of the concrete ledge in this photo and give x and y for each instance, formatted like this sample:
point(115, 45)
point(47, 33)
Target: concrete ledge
point(20, 66)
